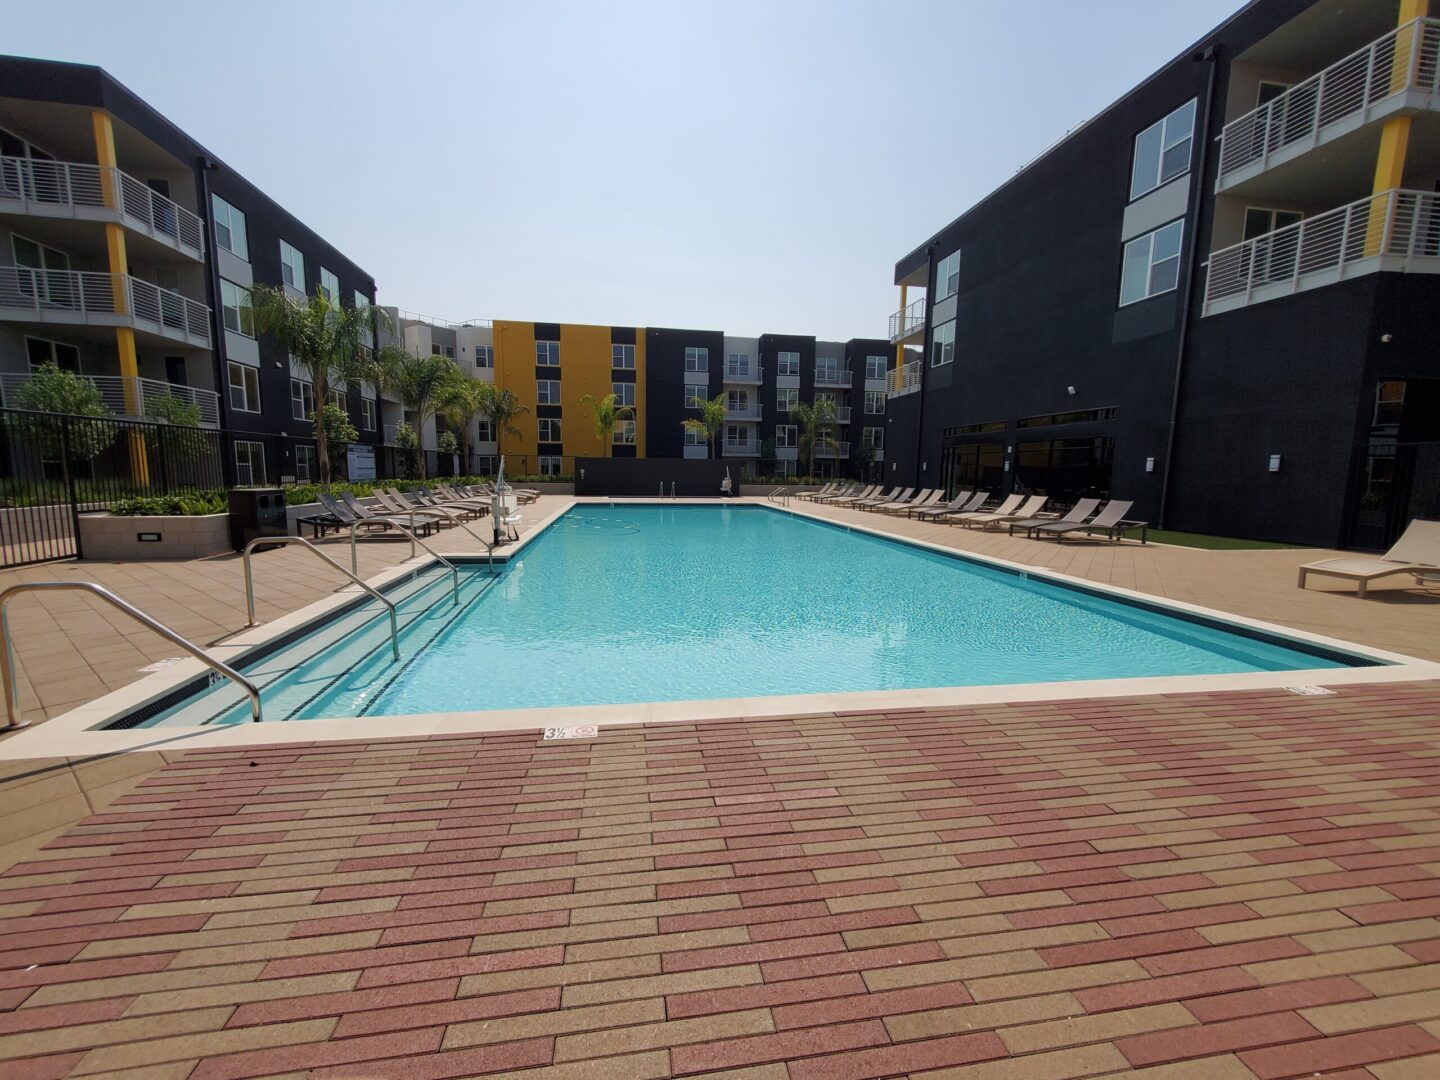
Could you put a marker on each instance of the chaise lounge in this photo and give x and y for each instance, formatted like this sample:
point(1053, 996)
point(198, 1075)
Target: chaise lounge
point(1417, 552)
point(1109, 522)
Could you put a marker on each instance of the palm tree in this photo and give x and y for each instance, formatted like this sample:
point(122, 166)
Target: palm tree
point(325, 339)
point(608, 413)
point(712, 419)
point(422, 383)
point(460, 405)
point(817, 427)
point(501, 406)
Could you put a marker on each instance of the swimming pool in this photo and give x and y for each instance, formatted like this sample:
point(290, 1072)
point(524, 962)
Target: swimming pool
point(640, 603)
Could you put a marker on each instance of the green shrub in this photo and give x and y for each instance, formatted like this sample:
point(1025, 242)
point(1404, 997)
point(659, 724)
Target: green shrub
point(172, 410)
point(192, 505)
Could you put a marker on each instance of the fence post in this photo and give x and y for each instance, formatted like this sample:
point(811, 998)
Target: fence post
point(65, 423)
point(165, 477)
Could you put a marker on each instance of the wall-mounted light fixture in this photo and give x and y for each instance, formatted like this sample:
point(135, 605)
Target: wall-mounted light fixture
point(1070, 390)
point(1149, 464)
point(1274, 462)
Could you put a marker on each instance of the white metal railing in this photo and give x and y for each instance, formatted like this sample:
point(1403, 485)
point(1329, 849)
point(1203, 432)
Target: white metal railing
point(96, 293)
point(832, 378)
point(1396, 223)
point(1407, 58)
point(744, 373)
point(908, 321)
point(49, 185)
point(126, 395)
point(747, 448)
point(842, 414)
point(904, 379)
point(750, 411)
point(838, 449)
point(445, 324)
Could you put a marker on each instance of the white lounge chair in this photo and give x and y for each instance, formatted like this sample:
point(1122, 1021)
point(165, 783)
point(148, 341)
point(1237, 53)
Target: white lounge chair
point(1417, 552)
point(954, 506)
point(1006, 507)
point(1082, 509)
point(893, 495)
point(854, 497)
point(1027, 509)
point(928, 497)
point(1110, 521)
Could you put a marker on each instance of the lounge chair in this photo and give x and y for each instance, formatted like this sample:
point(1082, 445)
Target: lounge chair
point(476, 497)
point(975, 502)
point(1005, 508)
point(397, 506)
point(828, 489)
point(953, 506)
point(928, 497)
point(1110, 521)
point(894, 495)
point(871, 492)
point(423, 498)
point(903, 501)
point(1076, 514)
point(372, 522)
point(843, 492)
point(412, 518)
point(1417, 552)
point(1032, 505)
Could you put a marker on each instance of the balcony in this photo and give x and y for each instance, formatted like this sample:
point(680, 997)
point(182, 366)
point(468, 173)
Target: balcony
point(904, 379)
point(128, 396)
point(833, 450)
point(1396, 73)
point(87, 298)
point(748, 411)
point(1396, 231)
point(748, 448)
point(69, 189)
point(908, 324)
point(744, 375)
point(839, 379)
point(842, 414)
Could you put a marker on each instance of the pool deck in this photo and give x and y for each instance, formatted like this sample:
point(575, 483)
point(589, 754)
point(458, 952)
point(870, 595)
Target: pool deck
point(1238, 886)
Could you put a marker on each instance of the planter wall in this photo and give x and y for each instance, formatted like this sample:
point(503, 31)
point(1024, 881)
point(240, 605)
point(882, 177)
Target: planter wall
point(761, 490)
point(108, 536)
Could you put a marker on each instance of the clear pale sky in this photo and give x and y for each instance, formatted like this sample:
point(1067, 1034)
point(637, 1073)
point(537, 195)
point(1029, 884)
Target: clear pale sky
point(740, 165)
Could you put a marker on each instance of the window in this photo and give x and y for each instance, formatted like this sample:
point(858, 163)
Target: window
point(736, 436)
point(337, 398)
point(1162, 151)
point(249, 462)
point(547, 353)
point(827, 370)
point(367, 413)
point(450, 351)
point(622, 357)
point(1077, 416)
point(872, 438)
point(244, 388)
point(697, 359)
point(786, 398)
point(230, 228)
point(302, 399)
point(737, 400)
point(787, 363)
point(41, 272)
point(695, 393)
point(292, 267)
point(434, 349)
point(1152, 264)
point(737, 364)
point(787, 435)
point(827, 395)
point(875, 366)
point(549, 429)
point(551, 465)
point(874, 402)
point(625, 433)
point(947, 276)
point(694, 438)
point(1259, 220)
point(484, 356)
point(942, 344)
point(361, 301)
point(1269, 91)
point(547, 392)
point(624, 393)
point(65, 357)
point(1389, 402)
point(305, 463)
point(330, 285)
point(485, 431)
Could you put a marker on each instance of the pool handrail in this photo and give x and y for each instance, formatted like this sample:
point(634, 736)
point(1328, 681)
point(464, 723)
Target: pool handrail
point(278, 540)
point(779, 495)
point(7, 659)
point(454, 573)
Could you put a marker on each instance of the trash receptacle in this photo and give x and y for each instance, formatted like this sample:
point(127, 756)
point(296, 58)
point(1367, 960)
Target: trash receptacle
point(256, 512)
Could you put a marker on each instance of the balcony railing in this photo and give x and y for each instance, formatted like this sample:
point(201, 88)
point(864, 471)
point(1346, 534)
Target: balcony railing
point(751, 411)
point(839, 449)
point(842, 414)
point(745, 374)
point(904, 379)
point(126, 395)
point(1407, 58)
point(750, 448)
point(1396, 230)
point(76, 189)
point(907, 322)
point(832, 378)
point(88, 297)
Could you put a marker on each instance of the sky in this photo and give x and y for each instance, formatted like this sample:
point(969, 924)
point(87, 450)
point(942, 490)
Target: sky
point(740, 165)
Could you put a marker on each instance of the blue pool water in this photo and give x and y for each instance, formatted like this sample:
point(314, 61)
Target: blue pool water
point(647, 603)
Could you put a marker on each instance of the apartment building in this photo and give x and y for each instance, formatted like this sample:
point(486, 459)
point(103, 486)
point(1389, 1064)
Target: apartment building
point(1217, 298)
point(126, 254)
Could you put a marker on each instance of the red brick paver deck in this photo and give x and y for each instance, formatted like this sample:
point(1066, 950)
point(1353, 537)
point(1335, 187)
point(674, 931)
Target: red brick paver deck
point(1208, 887)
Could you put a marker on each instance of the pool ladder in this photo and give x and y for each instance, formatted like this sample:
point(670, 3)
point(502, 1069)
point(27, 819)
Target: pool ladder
point(7, 659)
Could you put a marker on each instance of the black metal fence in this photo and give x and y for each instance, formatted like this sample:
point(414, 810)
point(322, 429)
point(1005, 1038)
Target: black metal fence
point(54, 467)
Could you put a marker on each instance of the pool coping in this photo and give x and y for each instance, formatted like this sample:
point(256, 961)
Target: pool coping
point(56, 737)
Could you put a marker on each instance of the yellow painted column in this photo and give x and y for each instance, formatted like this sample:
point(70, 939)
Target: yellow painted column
point(1395, 135)
point(900, 346)
point(119, 266)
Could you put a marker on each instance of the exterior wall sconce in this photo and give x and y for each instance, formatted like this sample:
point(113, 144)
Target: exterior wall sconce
point(1149, 464)
point(1274, 462)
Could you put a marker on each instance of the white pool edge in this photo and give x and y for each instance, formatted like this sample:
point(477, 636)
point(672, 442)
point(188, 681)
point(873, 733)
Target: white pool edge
point(58, 737)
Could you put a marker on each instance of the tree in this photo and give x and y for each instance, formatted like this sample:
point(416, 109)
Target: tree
point(338, 429)
point(817, 427)
point(608, 413)
point(325, 339)
point(712, 419)
point(462, 402)
point(766, 464)
point(172, 410)
point(407, 449)
point(501, 406)
point(422, 383)
point(53, 390)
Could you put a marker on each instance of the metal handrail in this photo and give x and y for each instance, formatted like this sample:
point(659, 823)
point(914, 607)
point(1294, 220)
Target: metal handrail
point(250, 583)
point(7, 658)
point(355, 558)
point(455, 518)
point(784, 496)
